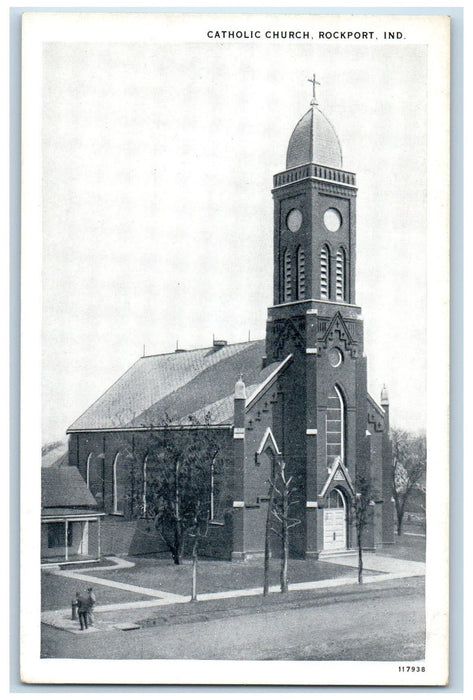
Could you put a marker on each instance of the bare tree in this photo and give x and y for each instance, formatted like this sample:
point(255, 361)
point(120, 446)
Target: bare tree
point(362, 513)
point(409, 468)
point(282, 492)
point(267, 539)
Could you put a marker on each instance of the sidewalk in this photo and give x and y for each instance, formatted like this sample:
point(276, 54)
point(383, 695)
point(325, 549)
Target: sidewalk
point(402, 567)
point(125, 615)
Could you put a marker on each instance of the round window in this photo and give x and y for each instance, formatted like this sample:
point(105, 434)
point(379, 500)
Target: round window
point(335, 357)
point(294, 220)
point(332, 219)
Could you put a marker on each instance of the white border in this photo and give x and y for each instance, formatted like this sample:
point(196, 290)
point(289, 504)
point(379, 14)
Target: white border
point(48, 27)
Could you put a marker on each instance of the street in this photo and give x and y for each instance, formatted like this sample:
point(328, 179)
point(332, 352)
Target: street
point(386, 625)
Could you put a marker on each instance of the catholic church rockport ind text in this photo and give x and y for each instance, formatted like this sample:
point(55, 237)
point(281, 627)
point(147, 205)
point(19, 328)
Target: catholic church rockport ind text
point(299, 396)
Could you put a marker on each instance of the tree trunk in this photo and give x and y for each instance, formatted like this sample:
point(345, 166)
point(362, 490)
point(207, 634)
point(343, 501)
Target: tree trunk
point(177, 526)
point(285, 557)
point(194, 572)
point(285, 541)
point(178, 544)
point(360, 560)
point(400, 517)
point(267, 542)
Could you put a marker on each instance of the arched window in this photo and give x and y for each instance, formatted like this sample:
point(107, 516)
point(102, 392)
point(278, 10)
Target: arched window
point(325, 273)
point(216, 509)
point(287, 276)
point(94, 471)
point(272, 462)
point(335, 426)
point(212, 490)
point(335, 499)
point(300, 273)
point(118, 484)
point(87, 470)
point(340, 276)
point(144, 477)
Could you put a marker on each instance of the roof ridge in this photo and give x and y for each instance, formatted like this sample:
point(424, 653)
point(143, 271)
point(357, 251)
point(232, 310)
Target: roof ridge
point(206, 347)
point(155, 381)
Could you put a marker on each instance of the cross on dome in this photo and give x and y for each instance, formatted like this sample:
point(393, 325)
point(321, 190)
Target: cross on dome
point(314, 82)
point(314, 139)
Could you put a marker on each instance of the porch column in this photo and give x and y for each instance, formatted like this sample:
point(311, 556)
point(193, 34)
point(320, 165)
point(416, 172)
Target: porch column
point(65, 539)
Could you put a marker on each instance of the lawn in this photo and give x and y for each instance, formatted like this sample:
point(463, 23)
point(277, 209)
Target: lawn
point(410, 547)
point(57, 592)
point(214, 576)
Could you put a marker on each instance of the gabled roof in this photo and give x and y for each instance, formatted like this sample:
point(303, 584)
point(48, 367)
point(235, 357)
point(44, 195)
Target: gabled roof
point(374, 406)
point(198, 383)
point(338, 471)
point(63, 487)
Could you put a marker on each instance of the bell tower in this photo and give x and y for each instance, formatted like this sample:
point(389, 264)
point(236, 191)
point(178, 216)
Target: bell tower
point(314, 220)
point(314, 320)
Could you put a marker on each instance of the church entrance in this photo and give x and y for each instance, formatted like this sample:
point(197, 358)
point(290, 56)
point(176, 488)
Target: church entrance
point(335, 522)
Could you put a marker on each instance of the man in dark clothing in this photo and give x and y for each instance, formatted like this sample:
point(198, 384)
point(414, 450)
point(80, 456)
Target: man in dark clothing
point(82, 607)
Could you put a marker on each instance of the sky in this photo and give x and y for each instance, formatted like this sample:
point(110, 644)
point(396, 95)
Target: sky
point(157, 228)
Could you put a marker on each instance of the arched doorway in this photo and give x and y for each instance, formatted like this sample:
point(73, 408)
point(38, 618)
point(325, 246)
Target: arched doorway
point(335, 521)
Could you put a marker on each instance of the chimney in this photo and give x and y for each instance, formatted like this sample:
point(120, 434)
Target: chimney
point(239, 403)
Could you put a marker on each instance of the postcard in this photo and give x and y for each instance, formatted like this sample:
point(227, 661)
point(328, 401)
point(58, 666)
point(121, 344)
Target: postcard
point(235, 337)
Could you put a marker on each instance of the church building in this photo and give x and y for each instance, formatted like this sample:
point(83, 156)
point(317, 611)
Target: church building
point(299, 396)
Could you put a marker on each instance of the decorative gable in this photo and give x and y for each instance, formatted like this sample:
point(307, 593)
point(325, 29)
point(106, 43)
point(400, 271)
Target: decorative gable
point(268, 442)
point(289, 331)
point(375, 416)
point(337, 333)
point(339, 473)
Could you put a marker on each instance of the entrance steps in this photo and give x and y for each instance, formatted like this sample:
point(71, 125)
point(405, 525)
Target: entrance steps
point(332, 553)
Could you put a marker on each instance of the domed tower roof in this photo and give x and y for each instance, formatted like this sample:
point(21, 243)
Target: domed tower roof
point(314, 140)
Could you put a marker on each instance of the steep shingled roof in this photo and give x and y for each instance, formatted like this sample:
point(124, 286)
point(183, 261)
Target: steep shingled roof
point(314, 140)
point(63, 487)
point(197, 383)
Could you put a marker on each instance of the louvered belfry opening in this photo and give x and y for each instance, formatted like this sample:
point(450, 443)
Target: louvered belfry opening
point(340, 275)
point(300, 273)
point(287, 276)
point(324, 272)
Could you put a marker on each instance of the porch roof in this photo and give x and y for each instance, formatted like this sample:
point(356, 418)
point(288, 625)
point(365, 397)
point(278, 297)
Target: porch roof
point(48, 514)
point(64, 487)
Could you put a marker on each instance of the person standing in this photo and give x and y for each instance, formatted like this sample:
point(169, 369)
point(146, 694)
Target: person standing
point(82, 605)
point(91, 600)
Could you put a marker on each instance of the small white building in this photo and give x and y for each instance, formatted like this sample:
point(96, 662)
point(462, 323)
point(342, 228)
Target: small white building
point(70, 520)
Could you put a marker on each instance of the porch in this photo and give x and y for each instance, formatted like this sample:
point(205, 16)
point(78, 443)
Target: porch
point(70, 538)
